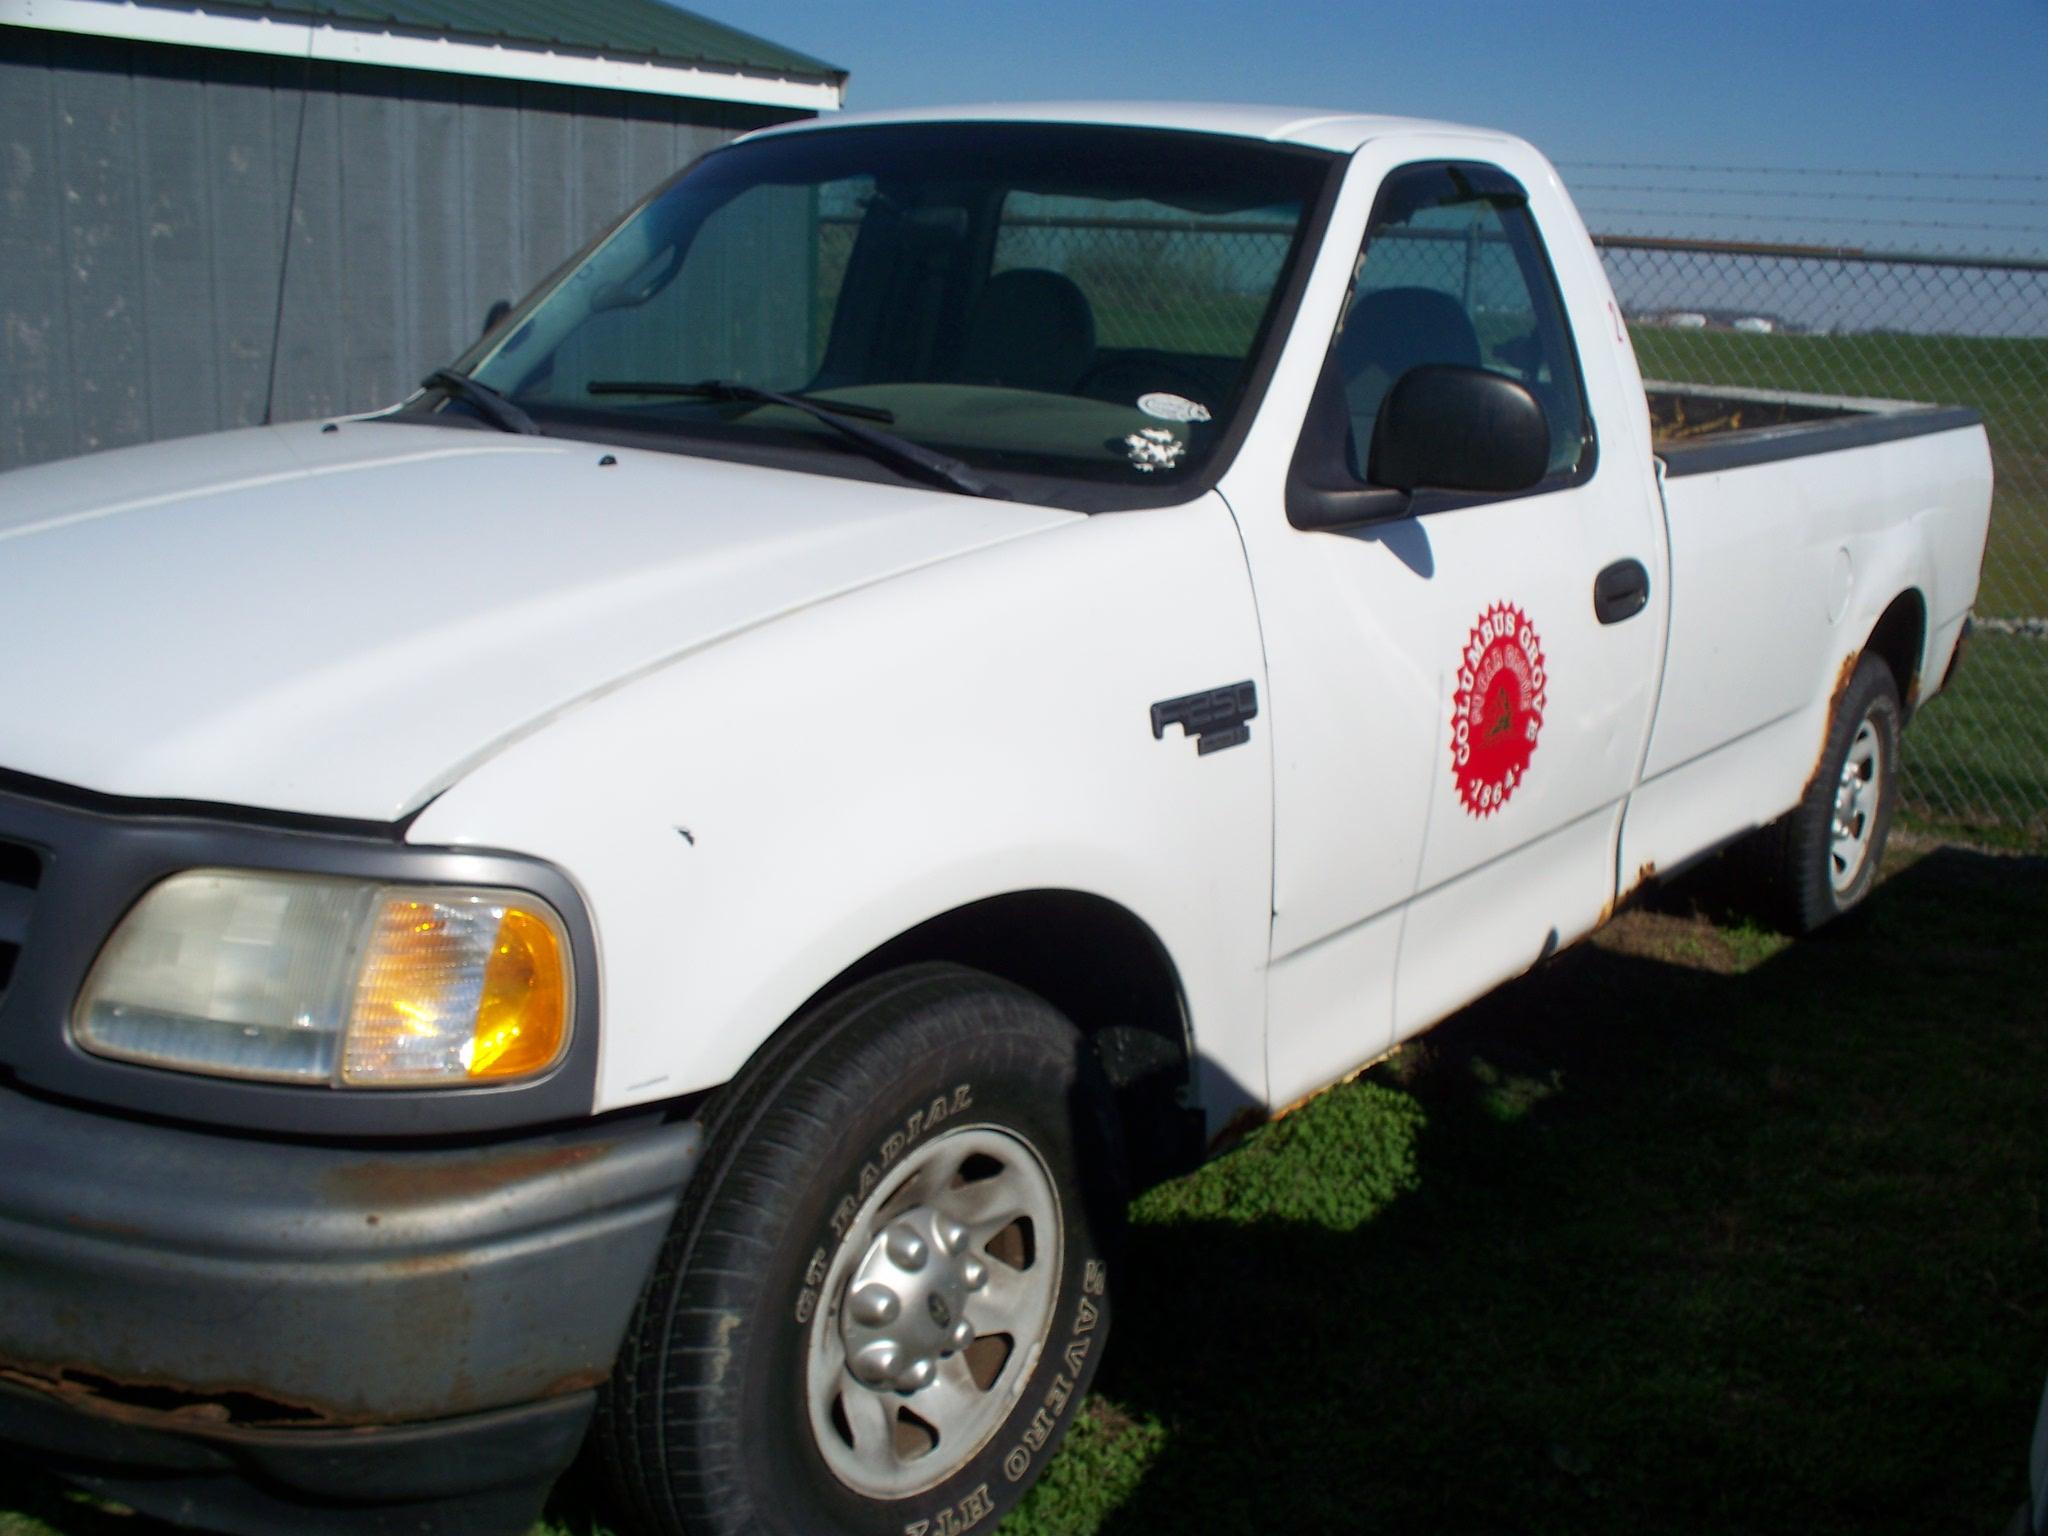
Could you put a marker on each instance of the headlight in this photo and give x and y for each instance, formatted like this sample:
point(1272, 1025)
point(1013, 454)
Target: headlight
point(299, 979)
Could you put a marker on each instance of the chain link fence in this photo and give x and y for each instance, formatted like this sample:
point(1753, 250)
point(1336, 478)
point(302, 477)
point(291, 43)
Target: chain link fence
point(1897, 326)
point(1887, 325)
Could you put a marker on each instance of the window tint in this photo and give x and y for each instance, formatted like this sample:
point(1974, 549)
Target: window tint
point(1156, 277)
point(1452, 273)
point(775, 259)
point(1057, 301)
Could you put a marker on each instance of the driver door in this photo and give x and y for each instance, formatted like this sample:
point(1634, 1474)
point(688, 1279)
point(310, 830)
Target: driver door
point(1455, 728)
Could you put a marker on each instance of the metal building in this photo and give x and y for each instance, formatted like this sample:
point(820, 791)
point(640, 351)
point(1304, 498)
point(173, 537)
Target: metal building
point(216, 214)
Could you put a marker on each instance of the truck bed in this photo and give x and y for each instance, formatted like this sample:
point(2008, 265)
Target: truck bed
point(1698, 429)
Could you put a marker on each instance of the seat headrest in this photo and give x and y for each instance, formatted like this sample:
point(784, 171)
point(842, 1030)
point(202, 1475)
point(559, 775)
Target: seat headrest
point(1031, 329)
point(1396, 329)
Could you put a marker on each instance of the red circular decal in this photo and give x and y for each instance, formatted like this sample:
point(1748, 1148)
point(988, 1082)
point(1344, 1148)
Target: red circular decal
point(1497, 712)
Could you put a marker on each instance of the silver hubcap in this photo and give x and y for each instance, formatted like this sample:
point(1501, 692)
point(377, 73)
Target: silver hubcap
point(938, 1303)
point(1856, 802)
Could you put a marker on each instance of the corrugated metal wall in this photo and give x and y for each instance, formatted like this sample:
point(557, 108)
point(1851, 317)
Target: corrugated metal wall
point(142, 205)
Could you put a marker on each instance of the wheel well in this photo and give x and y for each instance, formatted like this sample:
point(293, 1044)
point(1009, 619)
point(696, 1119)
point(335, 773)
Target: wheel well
point(1101, 966)
point(1900, 638)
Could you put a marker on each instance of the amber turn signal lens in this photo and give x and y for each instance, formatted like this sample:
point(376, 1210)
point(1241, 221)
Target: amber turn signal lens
point(522, 1019)
point(458, 986)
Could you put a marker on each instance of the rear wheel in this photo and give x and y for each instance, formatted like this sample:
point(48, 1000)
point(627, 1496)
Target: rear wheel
point(887, 1288)
point(1821, 861)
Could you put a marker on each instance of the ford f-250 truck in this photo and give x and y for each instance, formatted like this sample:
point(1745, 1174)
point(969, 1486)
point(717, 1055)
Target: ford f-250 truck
point(667, 887)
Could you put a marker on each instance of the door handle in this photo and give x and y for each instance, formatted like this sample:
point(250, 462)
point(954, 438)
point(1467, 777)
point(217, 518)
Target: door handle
point(1621, 591)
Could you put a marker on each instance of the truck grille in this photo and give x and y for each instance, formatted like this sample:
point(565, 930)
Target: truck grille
point(20, 872)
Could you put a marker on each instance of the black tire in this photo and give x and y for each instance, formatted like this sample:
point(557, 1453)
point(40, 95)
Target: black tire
point(1789, 866)
point(705, 1425)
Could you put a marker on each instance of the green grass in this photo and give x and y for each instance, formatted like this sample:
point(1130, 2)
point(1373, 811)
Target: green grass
point(1692, 1230)
point(1977, 760)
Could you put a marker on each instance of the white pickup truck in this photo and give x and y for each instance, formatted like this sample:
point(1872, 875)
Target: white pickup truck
point(669, 886)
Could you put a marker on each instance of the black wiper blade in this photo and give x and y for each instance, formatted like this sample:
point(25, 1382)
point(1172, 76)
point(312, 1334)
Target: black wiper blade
point(492, 406)
point(897, 452)
point(726, 389)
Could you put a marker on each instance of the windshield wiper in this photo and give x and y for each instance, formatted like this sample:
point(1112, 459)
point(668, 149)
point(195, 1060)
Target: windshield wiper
point(727, 389)
point(885, 447)
point(492, 406)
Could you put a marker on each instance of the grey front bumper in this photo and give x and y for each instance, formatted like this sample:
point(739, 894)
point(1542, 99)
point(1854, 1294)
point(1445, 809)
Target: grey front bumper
point(272, 1307)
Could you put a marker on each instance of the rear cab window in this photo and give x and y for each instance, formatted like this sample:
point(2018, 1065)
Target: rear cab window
point(1178, 297)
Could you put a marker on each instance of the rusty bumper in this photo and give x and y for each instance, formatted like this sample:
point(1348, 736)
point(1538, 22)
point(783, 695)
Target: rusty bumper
point(222, 1329)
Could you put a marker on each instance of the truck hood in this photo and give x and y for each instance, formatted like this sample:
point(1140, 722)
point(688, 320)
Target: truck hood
point(342, 622)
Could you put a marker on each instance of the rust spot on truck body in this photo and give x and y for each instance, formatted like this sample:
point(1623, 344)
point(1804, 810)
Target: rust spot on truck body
point(578, 1381)
point(155, 1402)
point(1844, 676)
point(409, 1180)
point(167, 1404)
point(388, 1300)
point(1619, 904)
point(1644, 876)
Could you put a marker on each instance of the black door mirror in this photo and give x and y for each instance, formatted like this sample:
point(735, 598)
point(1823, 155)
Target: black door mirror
point(494, 314)
point(1451, 428)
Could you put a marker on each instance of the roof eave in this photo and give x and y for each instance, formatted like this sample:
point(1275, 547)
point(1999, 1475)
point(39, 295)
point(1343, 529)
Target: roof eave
point(391, 49)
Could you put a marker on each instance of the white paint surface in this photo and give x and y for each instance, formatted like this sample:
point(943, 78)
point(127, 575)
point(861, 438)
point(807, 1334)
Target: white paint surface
point(874, 704)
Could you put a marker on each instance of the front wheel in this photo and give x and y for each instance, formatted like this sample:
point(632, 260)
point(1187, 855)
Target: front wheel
point(887, 1287)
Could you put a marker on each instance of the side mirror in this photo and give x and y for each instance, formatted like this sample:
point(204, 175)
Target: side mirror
point(494, 314)
point(1441, 427)
point(1451, 428)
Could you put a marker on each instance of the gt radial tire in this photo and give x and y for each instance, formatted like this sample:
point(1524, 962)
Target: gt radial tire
point(1792, 863)
point(795, 1364)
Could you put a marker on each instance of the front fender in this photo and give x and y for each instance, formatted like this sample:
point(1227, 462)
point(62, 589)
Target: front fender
point(750, 821)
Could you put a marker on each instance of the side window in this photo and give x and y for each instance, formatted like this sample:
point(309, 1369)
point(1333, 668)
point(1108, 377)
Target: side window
point(1453, 271)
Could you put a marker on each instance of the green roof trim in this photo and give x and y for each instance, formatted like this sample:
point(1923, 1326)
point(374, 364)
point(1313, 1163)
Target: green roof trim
point(625, 29)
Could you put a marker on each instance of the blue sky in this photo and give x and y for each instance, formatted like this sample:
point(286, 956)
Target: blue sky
point(1894, 85)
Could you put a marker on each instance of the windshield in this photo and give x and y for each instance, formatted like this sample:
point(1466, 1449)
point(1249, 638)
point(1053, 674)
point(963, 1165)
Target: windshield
point(1073, 311)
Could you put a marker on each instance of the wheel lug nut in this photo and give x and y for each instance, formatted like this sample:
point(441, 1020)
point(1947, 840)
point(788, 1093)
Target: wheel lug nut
point(974, 1274)
point(962, 1334)
point(950, 1234)
point(917, 1374)
point(907, 1249)
point(875, 1306)
point(877, 1364)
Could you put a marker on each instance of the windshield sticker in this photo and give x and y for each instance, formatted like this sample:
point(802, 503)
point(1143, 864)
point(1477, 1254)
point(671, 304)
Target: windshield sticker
point(1172, 407)
point(1153, 448)
point(1497, 712)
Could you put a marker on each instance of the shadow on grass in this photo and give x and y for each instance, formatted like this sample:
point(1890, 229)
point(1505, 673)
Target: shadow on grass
point(1683, 1249)
point(32, 1501)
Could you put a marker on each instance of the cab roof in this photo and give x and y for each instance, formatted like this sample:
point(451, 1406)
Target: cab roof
point(1330, 130)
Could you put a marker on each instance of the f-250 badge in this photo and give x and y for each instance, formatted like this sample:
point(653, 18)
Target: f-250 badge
point(1497, 712)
